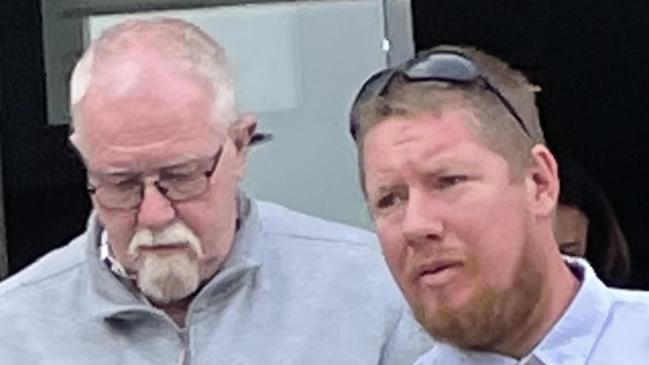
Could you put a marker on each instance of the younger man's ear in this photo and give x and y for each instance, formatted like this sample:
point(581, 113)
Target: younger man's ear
point(544, 181)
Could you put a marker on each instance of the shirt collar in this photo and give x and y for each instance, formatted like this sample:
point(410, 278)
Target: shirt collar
point(574, 337)
point(106, 256)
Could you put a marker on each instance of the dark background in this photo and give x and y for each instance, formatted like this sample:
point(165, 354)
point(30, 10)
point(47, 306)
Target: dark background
point(591, 59)
point(45, 202)
point(589, 56)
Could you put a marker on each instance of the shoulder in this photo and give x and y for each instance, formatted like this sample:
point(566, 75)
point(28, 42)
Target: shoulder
point(635, 302)
point(54, 266)
point(345, 260)
point(281, 221)
point(626, 335)
point(628, 317)
point(622, 302)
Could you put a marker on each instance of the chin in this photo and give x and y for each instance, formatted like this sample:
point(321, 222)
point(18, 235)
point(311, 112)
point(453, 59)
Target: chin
point(170, 278)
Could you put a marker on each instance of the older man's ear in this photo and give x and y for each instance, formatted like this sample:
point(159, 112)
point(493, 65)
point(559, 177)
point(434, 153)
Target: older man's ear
point(242, 132)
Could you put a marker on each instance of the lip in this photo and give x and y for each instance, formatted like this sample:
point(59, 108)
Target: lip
point(438, 272)
point(163, 249)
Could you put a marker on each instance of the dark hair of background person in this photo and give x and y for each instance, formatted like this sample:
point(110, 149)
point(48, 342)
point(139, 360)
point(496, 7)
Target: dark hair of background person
point(606, 247)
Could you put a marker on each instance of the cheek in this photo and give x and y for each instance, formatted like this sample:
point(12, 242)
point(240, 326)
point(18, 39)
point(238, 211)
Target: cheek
point(201, 218)
point(120, 228)
point(493, 239)
point(393, 246)
point(212, 218)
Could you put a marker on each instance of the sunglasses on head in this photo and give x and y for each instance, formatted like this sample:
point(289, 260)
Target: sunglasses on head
point(442, 66)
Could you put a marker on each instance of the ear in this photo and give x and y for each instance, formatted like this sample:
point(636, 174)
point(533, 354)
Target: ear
point(241, 133)
point(544, 181)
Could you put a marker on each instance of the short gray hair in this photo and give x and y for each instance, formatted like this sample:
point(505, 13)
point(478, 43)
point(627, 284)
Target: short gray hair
point(183, 42)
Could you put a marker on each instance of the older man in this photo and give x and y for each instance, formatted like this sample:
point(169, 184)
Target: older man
point(177, 265)
point(463, 191)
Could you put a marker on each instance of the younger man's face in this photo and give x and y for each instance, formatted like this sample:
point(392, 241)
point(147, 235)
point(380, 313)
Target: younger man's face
point(453, 225)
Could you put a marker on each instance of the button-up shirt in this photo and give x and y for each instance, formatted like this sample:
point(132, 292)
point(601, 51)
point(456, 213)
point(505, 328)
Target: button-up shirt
point(294, 290)
point(602, 326)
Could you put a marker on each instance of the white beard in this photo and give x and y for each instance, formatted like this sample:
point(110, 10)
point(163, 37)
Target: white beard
point(170, 277)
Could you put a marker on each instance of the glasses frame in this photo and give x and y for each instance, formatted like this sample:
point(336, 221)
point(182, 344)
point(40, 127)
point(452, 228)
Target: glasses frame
point(207, 174)
point(460, 70)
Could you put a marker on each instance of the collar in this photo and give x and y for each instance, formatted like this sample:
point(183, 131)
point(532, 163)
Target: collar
point(574, 337)
point(106, 256)
point(571, 339)
point(114, 296)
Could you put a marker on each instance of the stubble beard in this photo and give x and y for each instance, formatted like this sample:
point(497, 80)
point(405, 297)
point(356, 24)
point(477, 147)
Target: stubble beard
point(491, 317)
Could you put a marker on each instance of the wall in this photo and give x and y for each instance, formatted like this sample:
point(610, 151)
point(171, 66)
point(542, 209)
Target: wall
point(310, 165)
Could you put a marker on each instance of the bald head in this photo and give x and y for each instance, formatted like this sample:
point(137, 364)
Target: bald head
point(159, 60)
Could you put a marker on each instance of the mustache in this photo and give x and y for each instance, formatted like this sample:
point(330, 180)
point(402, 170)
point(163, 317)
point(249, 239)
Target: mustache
point(432, 258)
point(175, 234)
point(428, 252)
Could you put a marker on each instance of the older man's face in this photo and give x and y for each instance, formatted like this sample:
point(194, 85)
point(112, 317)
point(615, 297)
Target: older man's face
point(454, 227)
point(137, 120)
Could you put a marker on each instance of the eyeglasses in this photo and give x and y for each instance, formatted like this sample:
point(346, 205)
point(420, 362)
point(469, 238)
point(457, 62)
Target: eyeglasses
point(443, 66)
point(176, 183)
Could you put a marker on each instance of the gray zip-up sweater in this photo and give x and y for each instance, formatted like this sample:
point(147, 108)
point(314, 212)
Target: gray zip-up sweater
point(295, 290)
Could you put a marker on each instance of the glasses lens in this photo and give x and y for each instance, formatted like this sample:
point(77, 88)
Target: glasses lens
point(117, 199)
point(373, 87)
point(443, 67)
point(183, 189)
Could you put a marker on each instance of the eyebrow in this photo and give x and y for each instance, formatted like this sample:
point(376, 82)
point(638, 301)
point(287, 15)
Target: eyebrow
point(112, 175)
point(381, 190)
point(127, 174)
point(386, 182)
point(438, 168)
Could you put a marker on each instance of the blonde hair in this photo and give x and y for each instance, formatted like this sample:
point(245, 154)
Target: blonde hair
point(494, 124)
point(182, 42)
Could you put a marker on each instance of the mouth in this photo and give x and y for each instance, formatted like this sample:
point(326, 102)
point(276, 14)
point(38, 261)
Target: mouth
point(439, 272)
point(164, 249)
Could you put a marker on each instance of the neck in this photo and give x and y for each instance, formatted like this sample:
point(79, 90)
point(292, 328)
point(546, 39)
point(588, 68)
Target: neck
point(558, 291)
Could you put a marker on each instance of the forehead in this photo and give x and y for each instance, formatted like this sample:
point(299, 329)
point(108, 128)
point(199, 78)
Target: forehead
point(137, 111)
point(400, 147)
point(422, 136)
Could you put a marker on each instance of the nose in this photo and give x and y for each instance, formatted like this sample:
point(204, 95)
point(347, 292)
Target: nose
point(422, 221)
point(156, 211)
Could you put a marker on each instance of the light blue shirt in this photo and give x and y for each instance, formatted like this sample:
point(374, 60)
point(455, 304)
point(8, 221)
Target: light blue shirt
point(602, 326)
point(295, 290)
